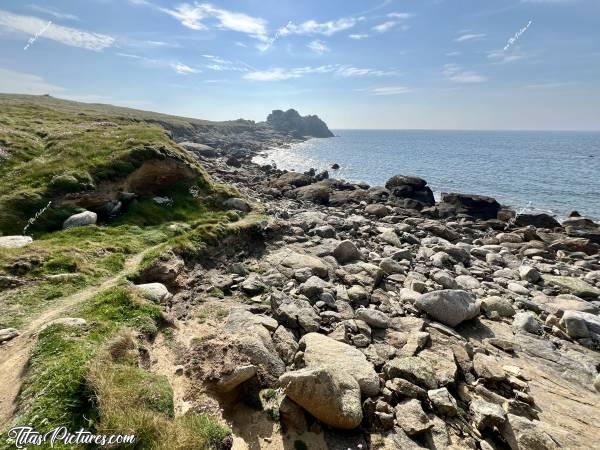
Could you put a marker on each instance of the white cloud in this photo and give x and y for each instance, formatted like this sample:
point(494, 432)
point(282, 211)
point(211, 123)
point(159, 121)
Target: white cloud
point(398, 18)
point(385, 26)
point(348, 71)
point(25, 83)
point(53, 13)
point(193, 17)
point(401, 16)
point(183, 69)
point(502, 57)
point(219, 64)
point(549, 85)
point(390, 90)
point(469, 37)
point(453, 54)
point(325, 28)
point(278, 74)
point(65, 35)
point(318, 47)
point(455, 73)
point(358, 36)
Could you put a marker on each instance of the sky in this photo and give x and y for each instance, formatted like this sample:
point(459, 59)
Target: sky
point(390, 64)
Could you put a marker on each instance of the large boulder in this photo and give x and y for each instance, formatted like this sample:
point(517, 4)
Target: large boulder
point(81, 220)
point(155, 292)
point(449, 306)
point(581, 324)
point(574, 286)
point(331, 396)
point(292, 179)
point(322, 351)
point(289, 262)
point(411, 188)
point(537, 220)
point(477, 206)
point(316, 193)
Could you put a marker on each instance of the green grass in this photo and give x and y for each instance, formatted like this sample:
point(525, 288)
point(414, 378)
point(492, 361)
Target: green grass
point(55, 151)
point(90, 377)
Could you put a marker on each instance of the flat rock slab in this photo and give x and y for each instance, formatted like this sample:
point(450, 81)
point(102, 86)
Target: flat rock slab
point(322, 351)
point(15, 241)
point(575, 286)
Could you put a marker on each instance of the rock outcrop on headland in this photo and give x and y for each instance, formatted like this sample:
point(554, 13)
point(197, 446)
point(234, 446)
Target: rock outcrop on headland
point(299, 126)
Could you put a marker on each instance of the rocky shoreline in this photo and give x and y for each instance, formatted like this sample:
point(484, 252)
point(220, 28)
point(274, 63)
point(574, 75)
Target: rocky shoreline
point(359, 317)
point(415, 324)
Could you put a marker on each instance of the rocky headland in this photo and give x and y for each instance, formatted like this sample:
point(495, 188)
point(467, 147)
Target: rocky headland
point(338, 315)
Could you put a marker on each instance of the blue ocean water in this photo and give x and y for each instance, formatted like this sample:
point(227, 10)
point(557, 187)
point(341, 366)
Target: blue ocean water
point(554, 172)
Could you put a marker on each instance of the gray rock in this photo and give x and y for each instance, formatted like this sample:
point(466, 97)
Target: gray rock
point(486, 415)
point(155, 292)
point(391, 266)
point(81, 220)
point(373, 317)
point(313, 287)
point(7, 334)
point(574, 286)
point(580, 324)
point(293, 261)
point(253, 285)
point(294, 312)
point(15, 241)
point(522, 434)
point(411, 417)
point(499, 305)
point(332, 396)
point(322, 351)
point(238, 204)
point(445, 279)
point(285, 344)
point(238, 376)
point(415, 369)
point(529, 274)
point(443, 402)
point(527, 322)
point(346, 252)
point(450, 306)
point(467, 282)
point(486, 367)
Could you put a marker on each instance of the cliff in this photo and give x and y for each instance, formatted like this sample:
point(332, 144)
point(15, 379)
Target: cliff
point(292, 122)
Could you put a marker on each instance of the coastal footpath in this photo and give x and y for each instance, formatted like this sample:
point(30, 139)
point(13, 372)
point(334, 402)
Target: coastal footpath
point(264, 309)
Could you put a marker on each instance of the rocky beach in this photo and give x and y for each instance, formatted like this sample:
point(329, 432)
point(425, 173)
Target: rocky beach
point(348, 316)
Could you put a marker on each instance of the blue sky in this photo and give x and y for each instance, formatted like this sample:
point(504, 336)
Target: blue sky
point(433, 64)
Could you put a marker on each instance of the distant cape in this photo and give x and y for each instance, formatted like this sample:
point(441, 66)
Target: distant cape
point(291, 121)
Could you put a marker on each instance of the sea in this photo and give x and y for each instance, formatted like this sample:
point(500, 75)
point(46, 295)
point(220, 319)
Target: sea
point(531, 171)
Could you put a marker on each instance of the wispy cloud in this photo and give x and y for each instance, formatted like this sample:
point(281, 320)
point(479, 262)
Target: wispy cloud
point(194, 17)
point(183, 69)
point(397, 18)
point(549, 85)
point(65, 35)
point(278, 74)
point(453, 54)
point(358, 36)
point(25, 83)
point(312, 27)
point(53, 13)
point(219, 64)
point(349, 71)
point(469, 37)
point(318, 47)
point(502, 57)
point(385, 26)
point(455, 73)
point(390, 90)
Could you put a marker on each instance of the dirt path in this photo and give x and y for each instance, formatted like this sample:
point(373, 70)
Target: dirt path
point(15, 354)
